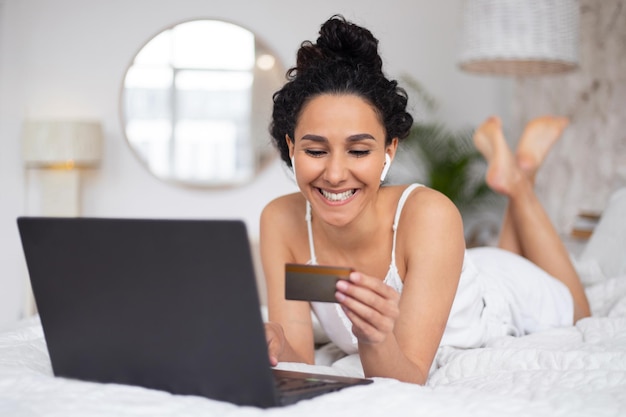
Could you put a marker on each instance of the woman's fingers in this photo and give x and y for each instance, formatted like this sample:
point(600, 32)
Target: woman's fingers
point(371, 305)
point(369, 291)
point(275, 341)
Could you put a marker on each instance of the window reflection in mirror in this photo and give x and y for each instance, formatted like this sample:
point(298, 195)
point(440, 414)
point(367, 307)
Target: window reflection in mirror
point(197, 102)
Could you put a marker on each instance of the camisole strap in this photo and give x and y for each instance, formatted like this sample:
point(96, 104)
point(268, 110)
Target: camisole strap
point(396, 220)
point(307, 217)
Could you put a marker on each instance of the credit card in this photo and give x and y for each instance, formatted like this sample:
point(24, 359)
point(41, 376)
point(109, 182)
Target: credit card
point(313, 282)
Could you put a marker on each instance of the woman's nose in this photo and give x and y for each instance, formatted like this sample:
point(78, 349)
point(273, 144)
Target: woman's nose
point(335, 169)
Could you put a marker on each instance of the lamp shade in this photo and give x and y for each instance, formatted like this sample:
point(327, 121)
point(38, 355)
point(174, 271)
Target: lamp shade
point(520, 37)
point(69, 143)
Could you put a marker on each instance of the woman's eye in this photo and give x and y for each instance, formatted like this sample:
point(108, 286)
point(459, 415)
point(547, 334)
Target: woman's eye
point(314, 152)
point(359, 153)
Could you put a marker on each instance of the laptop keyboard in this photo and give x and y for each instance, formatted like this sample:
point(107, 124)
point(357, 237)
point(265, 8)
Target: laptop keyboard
point(287, 384)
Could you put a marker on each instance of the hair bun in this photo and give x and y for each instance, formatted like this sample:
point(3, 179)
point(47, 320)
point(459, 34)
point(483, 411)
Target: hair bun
point(341, 40)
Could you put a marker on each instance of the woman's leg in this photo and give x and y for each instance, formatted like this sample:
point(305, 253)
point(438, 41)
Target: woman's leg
point(527, 230)
point(537, 139)
point(491, 131)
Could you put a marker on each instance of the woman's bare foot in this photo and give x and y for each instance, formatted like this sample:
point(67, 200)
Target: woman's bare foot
point(536, 141)
point(502, 172)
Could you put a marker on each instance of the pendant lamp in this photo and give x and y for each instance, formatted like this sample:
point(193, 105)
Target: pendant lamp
point(520, 37)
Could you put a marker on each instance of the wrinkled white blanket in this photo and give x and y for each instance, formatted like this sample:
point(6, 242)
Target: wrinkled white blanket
point(574, 371)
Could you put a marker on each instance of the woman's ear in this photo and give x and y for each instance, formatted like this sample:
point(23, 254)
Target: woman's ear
point(390, 152)
point(385, 167)
point(290, 144)
point(392, 148)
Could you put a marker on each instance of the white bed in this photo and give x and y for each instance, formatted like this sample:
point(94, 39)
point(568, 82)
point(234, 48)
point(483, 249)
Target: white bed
point(574, 371)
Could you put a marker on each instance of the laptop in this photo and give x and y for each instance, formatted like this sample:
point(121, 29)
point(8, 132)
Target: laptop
point(164, 304)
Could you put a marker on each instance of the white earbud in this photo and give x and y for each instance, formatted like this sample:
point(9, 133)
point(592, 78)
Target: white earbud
point(385, 167)
point(293, 168)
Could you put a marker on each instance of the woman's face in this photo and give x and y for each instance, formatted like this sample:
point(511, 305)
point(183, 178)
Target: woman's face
point(339, 154)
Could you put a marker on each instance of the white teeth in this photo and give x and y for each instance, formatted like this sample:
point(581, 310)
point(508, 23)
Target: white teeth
point(337, 196)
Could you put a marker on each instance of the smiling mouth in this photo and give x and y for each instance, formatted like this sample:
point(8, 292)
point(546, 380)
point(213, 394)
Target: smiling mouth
point(337, 196)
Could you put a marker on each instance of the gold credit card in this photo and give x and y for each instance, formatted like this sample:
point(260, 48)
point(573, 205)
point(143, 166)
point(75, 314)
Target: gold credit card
point(313, 282)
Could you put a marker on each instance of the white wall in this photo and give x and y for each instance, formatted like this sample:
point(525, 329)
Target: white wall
point(67, 58)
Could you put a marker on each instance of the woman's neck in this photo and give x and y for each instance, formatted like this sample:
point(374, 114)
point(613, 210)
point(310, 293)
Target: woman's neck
point(363, 238)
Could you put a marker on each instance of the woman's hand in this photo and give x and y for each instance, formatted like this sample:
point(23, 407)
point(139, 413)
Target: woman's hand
point(275, 337)
point(371, 305)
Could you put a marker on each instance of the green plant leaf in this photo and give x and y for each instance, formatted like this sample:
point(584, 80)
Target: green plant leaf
point(453, 165)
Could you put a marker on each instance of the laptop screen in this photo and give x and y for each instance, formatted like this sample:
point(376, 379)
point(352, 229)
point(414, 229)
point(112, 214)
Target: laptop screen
point(164, 304)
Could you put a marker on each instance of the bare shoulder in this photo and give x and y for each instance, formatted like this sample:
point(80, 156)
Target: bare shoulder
point(422, 202)
point(283, 228)
point(427, 214)
point(425, 203)
point(284, 210)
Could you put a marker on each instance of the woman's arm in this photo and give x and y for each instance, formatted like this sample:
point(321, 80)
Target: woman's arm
point(399, 336)
point(290, 329)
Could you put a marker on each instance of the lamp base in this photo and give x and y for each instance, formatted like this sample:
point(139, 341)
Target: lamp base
point(54, 192)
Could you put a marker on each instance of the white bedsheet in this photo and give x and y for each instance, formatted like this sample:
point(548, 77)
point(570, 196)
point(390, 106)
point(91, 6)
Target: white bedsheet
point(574, 371)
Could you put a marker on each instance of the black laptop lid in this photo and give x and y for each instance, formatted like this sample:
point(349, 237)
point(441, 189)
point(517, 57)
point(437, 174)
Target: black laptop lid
point(145, 302)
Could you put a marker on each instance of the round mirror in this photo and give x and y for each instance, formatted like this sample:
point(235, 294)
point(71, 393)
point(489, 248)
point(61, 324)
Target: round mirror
point(197, 101)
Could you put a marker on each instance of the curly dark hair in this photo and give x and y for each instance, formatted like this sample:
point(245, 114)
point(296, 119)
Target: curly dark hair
point(344, 60)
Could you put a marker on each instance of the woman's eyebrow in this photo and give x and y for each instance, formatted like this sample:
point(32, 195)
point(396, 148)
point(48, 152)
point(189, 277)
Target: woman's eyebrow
point(314, 138)
point(360, 136)
point(352, 138)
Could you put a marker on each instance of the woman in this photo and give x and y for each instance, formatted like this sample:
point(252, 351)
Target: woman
point(337, 122)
